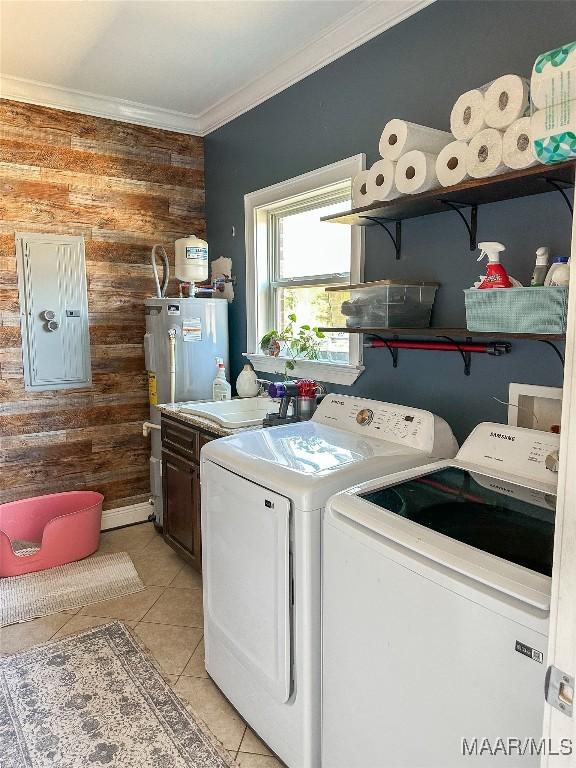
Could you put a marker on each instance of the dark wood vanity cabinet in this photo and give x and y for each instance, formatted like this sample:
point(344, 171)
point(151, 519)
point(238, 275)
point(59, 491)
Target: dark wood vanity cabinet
point(181, 445)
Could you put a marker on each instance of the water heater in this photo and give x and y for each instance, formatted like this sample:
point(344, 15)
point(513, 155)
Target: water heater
point(188, 335)
point(191, 264)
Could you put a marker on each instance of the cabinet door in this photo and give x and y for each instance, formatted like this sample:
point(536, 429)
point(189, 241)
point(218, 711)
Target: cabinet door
point(181, 485)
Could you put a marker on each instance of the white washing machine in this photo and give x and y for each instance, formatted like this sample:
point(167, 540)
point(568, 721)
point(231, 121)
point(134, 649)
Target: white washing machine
point(436, 597)
point(263, 494)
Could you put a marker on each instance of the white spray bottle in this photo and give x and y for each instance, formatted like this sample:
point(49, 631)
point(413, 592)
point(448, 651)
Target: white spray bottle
point(221, 389)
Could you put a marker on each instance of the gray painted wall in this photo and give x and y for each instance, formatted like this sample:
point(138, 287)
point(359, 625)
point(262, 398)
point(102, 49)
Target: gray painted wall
point(415, 71)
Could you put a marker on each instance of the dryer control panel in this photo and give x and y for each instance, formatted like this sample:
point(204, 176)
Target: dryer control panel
point(372, 418)
point(514, 450)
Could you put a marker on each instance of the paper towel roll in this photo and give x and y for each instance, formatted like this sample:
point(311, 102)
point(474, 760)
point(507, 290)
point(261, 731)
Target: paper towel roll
point(451, 164)
point(360, 196)
point(484, 155)
point(516, 146)
point(399, 137)
point(416, 172)
point(553, 133)
point(554, 76)
point(506, 100)
point(467, 116)
point(380, 184)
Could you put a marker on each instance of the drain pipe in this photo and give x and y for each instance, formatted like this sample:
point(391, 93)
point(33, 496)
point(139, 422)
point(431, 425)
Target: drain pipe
point(172, 362)
point(147, 428)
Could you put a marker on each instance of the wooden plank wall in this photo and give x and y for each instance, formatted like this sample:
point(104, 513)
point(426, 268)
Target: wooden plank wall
point(123, 187)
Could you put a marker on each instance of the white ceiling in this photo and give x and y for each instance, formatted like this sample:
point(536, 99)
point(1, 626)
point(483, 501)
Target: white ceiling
point(189, 65)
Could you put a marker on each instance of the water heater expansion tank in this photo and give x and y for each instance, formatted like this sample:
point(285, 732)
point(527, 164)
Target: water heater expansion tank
point(191, 259)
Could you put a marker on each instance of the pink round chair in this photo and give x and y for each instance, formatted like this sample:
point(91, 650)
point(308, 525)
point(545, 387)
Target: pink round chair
point(46, 531)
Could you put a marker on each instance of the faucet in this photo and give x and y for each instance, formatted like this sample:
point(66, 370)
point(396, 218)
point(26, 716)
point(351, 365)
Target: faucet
point(263, 386)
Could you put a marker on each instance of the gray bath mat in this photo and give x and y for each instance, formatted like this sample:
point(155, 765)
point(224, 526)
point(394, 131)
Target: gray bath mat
point(66, 587)
point(94, 699)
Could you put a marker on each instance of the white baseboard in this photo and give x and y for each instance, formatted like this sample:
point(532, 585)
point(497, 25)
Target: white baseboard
point(133, 513)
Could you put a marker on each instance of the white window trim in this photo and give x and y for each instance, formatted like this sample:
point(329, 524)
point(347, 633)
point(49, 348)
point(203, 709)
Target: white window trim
point(257, 271)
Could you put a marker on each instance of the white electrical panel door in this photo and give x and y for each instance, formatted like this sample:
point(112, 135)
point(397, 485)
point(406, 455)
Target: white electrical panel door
point(54, 311)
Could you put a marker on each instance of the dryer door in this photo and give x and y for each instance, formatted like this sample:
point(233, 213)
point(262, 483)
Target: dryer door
point(246, 565)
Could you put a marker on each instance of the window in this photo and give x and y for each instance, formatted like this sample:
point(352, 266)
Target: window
point(306, 255)
point(292, 256)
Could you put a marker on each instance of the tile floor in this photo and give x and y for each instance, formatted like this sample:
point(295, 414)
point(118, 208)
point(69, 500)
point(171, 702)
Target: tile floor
point(167, 616)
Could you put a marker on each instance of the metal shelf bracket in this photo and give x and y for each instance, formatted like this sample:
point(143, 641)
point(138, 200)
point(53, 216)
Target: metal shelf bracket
point(397, 239)
point(472, 227)
point(466, 356)
point(562, 189)
point(554, 347)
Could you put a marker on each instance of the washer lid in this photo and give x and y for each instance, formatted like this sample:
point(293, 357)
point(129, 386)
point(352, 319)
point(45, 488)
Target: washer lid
point(431, 512)
point(307, 461)
point(512, 522)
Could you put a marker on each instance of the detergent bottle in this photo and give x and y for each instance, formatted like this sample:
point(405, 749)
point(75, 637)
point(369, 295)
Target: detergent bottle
point(541, 267)
point(496, 276)
point(559, 272)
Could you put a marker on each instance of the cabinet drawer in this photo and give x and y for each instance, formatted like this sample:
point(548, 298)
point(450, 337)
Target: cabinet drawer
point(180, 439)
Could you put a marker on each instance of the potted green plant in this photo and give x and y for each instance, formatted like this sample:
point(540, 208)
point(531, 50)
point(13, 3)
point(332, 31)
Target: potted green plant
point(296, 343)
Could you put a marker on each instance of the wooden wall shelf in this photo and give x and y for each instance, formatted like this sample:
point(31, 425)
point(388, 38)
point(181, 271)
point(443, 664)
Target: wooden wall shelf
point(456, 333)
point(507, 186)
point(469, 195)
point(498, 345)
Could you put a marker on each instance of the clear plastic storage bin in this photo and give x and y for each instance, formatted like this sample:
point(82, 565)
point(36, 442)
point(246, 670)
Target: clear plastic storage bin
point(389, 304)
point(517, 310)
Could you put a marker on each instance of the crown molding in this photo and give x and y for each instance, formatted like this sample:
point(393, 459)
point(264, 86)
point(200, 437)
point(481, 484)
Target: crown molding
point(367, 21)
point(46, 95)
point(363, 23)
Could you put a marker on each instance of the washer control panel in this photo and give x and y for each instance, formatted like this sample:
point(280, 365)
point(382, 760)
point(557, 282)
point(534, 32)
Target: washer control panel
point(386, 421)
point(365, 416)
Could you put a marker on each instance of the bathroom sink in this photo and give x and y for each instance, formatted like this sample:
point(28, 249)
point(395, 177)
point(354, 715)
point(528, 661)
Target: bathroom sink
point(232, 414)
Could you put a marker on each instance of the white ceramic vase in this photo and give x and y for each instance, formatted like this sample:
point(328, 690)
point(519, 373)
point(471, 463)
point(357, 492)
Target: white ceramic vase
point(247, 382)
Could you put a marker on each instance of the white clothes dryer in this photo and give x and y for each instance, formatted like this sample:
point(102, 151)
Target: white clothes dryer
point(263, 495)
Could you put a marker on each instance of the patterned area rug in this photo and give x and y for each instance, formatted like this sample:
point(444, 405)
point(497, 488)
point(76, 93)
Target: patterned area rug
point(66, 587)
point(97, 699)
